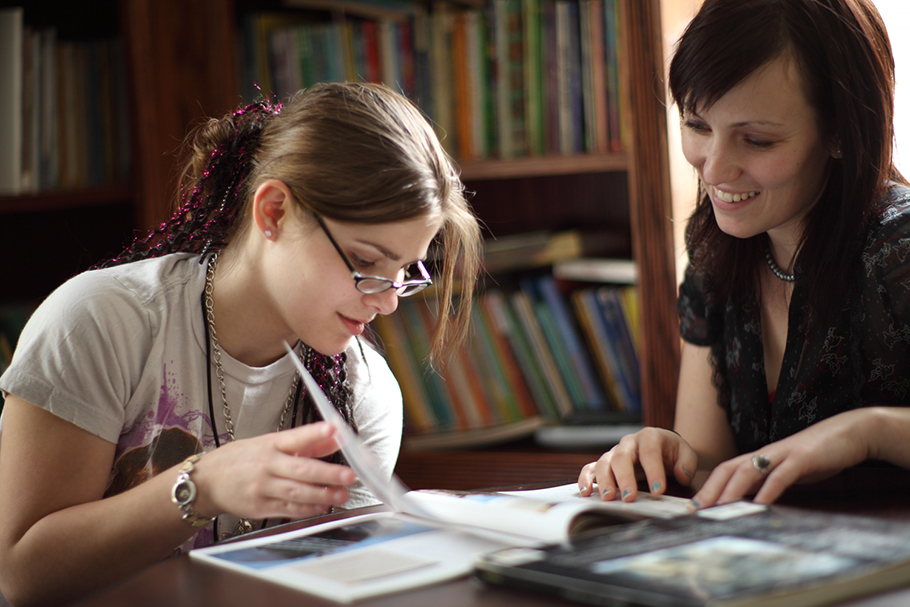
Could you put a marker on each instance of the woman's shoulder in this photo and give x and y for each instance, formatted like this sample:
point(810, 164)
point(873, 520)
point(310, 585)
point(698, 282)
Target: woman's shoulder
point(148, 277)
point(894, 208)
point(113, 295)
point(887, 246)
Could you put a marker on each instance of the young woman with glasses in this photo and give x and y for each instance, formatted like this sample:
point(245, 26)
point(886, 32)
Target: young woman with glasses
point(298, 224)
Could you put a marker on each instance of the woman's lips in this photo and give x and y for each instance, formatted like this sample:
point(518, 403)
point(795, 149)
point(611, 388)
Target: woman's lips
point(355, 327)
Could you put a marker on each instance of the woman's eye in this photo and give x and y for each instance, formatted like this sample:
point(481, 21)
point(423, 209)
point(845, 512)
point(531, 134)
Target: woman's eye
point(698, 127)
point(759, 143)
point(361, 262)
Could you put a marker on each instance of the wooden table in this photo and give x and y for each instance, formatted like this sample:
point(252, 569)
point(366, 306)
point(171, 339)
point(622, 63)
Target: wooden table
point(869, 490)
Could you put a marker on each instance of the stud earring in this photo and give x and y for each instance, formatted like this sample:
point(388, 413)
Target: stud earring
point(268, 233)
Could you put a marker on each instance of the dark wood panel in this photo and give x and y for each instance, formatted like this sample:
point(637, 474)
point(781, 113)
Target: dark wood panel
point(469, 470)
point(41, 250)
point(589, 201)
point(652, 233)
point(65, 199)
point(182, 69)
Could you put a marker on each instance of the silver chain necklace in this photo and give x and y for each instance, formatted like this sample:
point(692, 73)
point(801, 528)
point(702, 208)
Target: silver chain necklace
point(775, 269)
point(216, 356)
point(243, 524)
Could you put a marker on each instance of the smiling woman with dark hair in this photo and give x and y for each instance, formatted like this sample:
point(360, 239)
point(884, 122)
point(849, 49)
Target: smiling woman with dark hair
point(795, 308)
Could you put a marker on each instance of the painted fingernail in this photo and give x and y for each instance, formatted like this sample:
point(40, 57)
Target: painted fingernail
point(689, 474)
point(693, 504)
point(625, 493)
point(605, 491)
point(655, 486)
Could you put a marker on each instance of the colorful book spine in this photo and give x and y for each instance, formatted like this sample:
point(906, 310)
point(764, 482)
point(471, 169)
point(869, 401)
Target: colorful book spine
point(613, 38)
point(578, 355)
point(441, 75)
point(609, 298)
point(599, 77)
point(418, 340)
point(461, 87)
point(587, 310)
point(418, 417)
point(461, 375)
point(524, 308)
point(573, 64)
point(469, 408)
point(512, 128)
point(501, 368)
point(520, 374)
point(535, 97)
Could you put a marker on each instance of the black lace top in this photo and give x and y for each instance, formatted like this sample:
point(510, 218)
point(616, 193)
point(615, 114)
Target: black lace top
point(862, 360)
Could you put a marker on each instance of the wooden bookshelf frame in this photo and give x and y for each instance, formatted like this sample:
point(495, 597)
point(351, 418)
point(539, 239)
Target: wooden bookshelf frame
point(651, 206)
point(65, 199)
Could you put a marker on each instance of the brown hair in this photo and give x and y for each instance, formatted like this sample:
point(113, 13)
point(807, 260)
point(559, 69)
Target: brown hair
point(845, 59)
point(354, 152)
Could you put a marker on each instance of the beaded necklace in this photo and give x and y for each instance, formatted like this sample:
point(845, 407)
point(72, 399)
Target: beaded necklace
point(775, 269)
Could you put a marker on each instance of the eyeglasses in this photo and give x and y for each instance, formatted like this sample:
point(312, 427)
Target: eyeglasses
point(377, 284)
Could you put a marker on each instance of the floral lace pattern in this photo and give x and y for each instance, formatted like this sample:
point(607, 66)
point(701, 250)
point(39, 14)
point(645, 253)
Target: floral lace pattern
point(860, 361)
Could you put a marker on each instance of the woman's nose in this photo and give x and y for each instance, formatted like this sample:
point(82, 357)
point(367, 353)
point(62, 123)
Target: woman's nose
point(385, 302)
point(720, 163)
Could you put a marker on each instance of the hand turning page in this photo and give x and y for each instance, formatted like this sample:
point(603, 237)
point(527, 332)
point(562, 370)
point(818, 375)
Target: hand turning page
point(392, 492)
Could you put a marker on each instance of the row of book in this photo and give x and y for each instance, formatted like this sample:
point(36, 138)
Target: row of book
point(536, 355)
point(63, 110)
point(515, 78)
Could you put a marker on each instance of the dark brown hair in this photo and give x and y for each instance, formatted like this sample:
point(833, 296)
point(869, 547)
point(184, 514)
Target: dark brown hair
point(844, 57)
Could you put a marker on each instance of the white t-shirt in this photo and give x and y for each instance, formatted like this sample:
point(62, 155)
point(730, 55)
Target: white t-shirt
point(121, 353)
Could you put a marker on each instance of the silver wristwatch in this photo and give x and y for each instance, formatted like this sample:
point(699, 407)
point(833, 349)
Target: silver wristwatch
point(184, 493)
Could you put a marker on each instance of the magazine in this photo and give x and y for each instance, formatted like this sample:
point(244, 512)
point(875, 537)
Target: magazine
point(425, 536)
point(739, 554)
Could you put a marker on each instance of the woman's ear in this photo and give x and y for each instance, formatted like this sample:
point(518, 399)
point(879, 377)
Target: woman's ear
point(272, 205)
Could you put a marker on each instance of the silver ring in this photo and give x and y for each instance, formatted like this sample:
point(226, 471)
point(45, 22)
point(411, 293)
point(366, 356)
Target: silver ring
point(761, 463)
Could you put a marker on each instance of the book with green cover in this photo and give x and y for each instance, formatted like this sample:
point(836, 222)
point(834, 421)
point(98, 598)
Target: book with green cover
point(525, 311)
point(504, 320)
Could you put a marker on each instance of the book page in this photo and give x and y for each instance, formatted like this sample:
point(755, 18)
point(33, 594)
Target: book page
point(544, 516)
point(646, 505)
point(547, 516)
point(389, 491)
point(355, 558)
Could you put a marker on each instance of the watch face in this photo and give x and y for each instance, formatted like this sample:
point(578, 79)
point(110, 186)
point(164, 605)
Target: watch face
point(184, 492)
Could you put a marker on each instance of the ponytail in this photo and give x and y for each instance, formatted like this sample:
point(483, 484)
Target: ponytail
point(213, 187)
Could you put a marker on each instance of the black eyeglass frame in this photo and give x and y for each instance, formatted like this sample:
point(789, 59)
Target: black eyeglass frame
point(403, 289)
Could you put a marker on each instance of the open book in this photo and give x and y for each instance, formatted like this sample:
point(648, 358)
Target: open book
point(425, 537)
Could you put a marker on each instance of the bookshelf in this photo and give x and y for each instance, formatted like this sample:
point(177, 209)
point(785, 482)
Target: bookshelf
point(173, 56)
point(641, 170)
point(179, 69)
point(183, 63)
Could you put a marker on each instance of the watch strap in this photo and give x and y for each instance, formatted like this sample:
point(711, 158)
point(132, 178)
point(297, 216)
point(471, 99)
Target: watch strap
point(183, 493)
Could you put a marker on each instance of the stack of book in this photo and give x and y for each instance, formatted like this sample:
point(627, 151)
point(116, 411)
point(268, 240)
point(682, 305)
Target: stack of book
point(513, 79)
